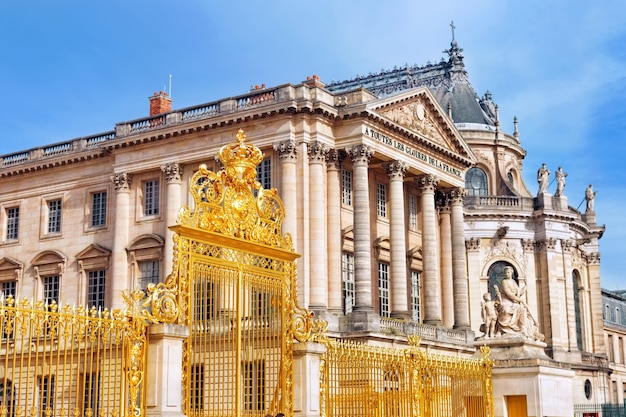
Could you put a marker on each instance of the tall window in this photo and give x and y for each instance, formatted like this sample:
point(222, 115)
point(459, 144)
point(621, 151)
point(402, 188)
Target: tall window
point(149, 273)
point(151, 198)
point(347, 281)
point(416, 314)
point(254, 386)
point(381, 198)
point(51, 288)
point(264, 173)
point(476, 182)
point(91, 394)
point(99, 209)
point(8, 288)
point(383, 289)
point(346, 187)
point(196, 397)
point(46, 390)
point(96, 288)
point(13, 223)
point(412, 212)
point(577, 314)
point(260, 305)
point(54, 216)
point(7, 397)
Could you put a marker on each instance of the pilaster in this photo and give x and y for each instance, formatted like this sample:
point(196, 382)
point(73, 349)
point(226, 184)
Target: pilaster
point(119, 281)
point(317, 226)
point(333, 203)
point(173, 178)
point(445, 257)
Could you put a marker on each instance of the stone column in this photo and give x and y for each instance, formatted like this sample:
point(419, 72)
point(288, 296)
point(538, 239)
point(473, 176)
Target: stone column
point(566, 246)
point(288, 155)
point(459, 262)
point(118, 280)
point(164, 363)
point(333, 234)
point(477, 287)
point(432, 291)
point(397, 244)
point(360, 156)
point(445, 232)
point(317, 227)
point(173, 176)
point(596, 307)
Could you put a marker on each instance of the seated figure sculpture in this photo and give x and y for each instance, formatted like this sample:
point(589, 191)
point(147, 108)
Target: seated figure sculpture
point(514, 318)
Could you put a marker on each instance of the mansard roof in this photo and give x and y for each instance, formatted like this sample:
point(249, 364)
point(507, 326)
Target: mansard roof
point(447, 80)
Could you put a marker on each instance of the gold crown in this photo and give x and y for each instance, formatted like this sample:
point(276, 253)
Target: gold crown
point(239, 156)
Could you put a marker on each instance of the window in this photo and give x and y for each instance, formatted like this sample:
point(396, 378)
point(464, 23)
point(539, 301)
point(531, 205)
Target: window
point(610, 352)
point(95, 288)
point(151, 198)
point(347, 282)
point(577, 314)
point(51, 289)
point(476, 182)
point(412, 212)
point(13, 223)
point(254, 386)
point(99, 209)
point(203, 300)
point(260, 305)
point(8, 288)
point(416, 314)
point(196, 397)
point(46, 390)
point(91, 393)
point(383, 289)
point(264, 173)
point(54, 216)
point(381, 198)
point(7, 397)
point(618, 316)
point(149, 273)
point(346, 187)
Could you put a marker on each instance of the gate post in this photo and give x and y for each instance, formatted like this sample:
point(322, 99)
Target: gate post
point(306, 369)
point(164, 379)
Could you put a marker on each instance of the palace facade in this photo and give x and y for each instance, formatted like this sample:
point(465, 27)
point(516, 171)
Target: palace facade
point(404, 197)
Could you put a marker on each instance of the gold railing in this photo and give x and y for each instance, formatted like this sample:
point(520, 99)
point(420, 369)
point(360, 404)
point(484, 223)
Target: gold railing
point(69, 362)
point(360, 380)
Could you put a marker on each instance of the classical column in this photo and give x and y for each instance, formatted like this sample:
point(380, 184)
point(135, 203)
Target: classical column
point(432, 291)
point(317, 226)
point(397, 244)
point(119, 276)
point(288, 155)
point(360, 156)
point(445, 232)
point(333, 232)
point(459, 262)
point(173, 176)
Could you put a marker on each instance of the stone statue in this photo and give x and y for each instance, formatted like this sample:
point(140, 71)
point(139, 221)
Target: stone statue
point(514, 318)
point(543, 177)
point(560, 181)
point(489, 315)
point(590, 195)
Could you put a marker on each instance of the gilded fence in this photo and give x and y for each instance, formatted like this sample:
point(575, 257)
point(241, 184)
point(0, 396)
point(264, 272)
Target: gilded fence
point(361, 380)
point(70, 361)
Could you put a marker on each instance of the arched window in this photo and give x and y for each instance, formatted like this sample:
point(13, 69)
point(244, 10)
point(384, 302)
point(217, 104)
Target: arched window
point(476, 182)
point(496, 274)
point(577, 309)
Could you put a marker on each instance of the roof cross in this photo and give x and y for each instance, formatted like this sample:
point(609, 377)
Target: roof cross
point(453, 27)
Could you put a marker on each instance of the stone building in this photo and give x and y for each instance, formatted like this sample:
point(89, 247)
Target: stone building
point(403, 194)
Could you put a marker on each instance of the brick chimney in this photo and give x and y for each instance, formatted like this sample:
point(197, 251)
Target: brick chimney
point(160, 103)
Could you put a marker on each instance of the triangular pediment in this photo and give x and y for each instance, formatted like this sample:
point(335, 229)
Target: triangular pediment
point(418, 112)
point(7, 263)
point(93, 251)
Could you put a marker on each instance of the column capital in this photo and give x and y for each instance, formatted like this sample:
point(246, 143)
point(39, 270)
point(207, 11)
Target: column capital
point(361, 153)
point(593, 258)
point(528, 245)
point(548, 243)
point(427, 182)
point(567, 244)
point(473, 243)
point(395, 169)
point(317, 152)
point(457, 195)
point(173, 172)
point(287, 150)
point(122, 181)
point(334, 158)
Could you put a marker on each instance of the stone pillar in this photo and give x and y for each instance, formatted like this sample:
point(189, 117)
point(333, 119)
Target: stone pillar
point(333, 232)
point(459, 262)
point(288, 155)
point(306, 379)
point(445, 232)
point(477, 287)
point(397, 244)
point(317, 227)
point(596, 307)
point(173, 176)
point(164, 365)
point(552, 302)
point(119, 276)
point(566, 246)
point(361, 155)
point(432, 291)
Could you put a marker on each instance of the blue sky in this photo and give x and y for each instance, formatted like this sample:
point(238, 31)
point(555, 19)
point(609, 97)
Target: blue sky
point(75, 68)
